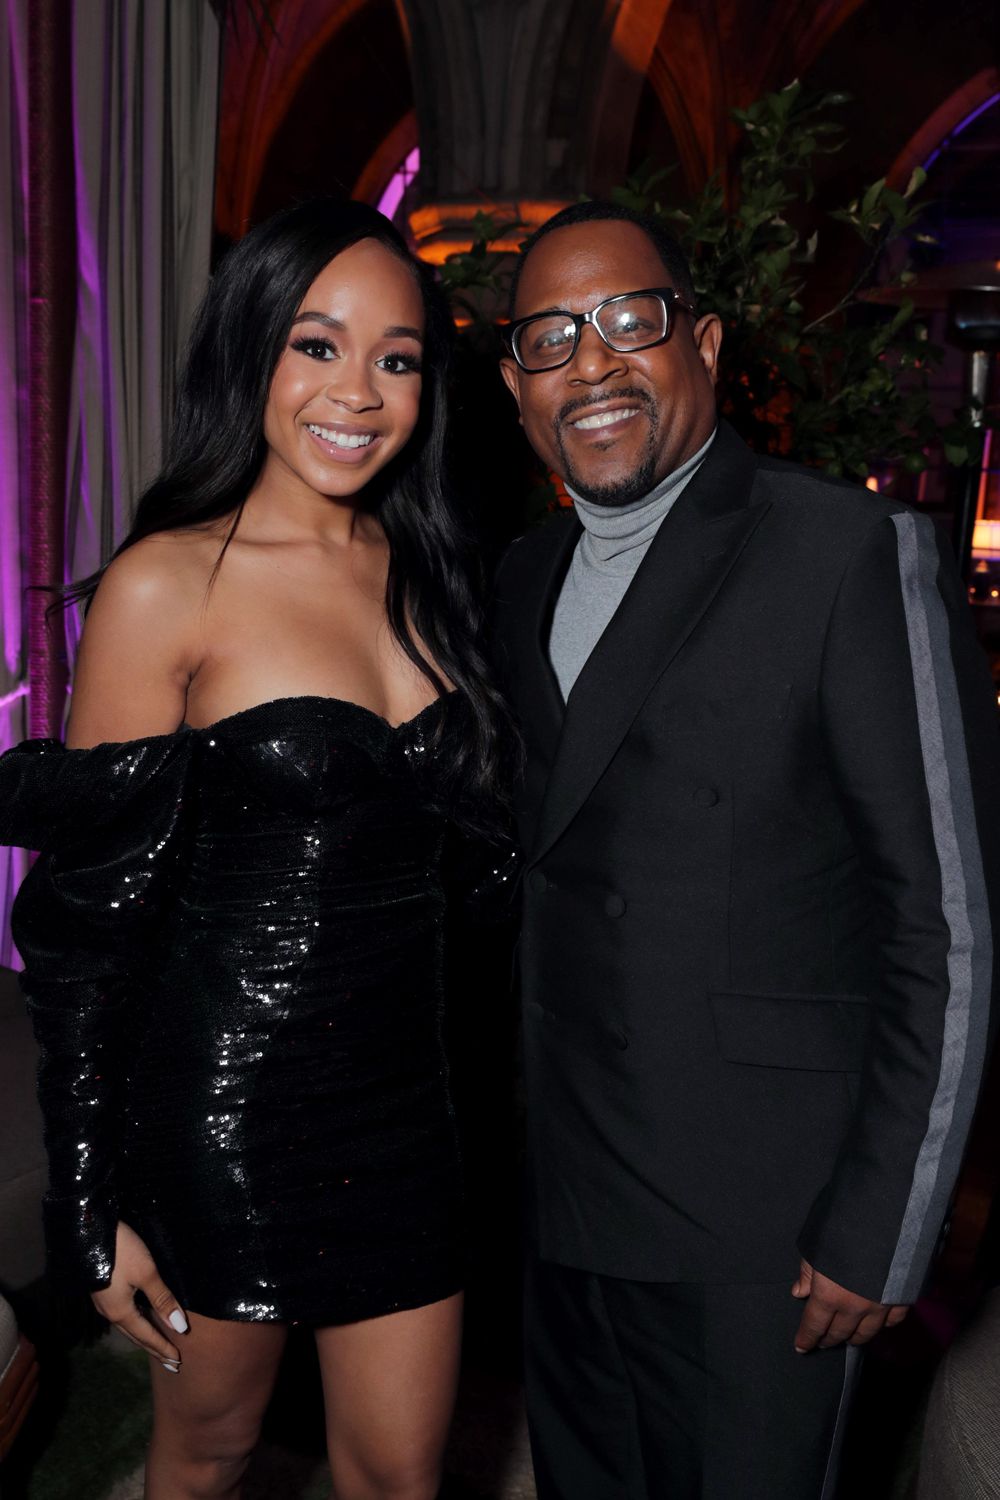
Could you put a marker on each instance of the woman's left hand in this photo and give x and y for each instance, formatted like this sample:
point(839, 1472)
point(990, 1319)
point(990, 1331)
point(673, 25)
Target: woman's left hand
point(135, 1271)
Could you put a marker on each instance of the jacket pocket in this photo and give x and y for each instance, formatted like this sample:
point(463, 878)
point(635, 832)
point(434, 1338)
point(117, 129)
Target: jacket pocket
point(825, 1033)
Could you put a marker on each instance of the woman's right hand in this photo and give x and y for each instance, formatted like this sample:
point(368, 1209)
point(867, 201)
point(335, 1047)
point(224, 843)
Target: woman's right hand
point(135, 1271)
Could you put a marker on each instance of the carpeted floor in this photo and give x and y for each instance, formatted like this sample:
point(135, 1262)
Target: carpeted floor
point(91, 1432)
point(87, 1430)
point(86, 1438)
point(86, 1435)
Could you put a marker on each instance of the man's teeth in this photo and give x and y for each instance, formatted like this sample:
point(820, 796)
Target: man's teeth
point(605, 418)
point(341, 439)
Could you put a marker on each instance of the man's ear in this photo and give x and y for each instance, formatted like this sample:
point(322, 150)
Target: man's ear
point(708, 342)
point(511, 372)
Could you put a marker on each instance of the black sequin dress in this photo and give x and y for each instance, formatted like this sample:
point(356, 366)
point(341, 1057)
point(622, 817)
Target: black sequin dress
point(233, 949)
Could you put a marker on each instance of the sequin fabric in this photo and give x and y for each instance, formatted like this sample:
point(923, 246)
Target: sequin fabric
point(233, 949)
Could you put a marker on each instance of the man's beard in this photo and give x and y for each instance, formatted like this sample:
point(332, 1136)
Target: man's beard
point(632, 486)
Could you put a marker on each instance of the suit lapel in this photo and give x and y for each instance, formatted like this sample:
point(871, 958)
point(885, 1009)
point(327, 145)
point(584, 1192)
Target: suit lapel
point(686, 565)
point(537, 692)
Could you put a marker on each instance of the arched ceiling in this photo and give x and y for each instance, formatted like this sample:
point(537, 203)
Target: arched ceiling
point(914, 68)
point(632, 28)
point(674, 69)
point(939, 124)
point(711, 56)
point(326, 85)
point(535, 101)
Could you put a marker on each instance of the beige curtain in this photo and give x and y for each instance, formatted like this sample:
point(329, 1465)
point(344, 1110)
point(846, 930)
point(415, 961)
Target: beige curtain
point(146, 76)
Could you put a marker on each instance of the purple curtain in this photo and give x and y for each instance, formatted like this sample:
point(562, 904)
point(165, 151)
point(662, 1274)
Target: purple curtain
point(144, 107)
point(13, 413)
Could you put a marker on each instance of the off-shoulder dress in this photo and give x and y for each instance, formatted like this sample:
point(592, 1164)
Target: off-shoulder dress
point(233, 950)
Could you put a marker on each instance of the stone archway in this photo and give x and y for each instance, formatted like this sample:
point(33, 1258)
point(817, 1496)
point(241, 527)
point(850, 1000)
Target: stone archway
point(634, 27)
point(264, 72)
point(705, 58)
point(978, 90)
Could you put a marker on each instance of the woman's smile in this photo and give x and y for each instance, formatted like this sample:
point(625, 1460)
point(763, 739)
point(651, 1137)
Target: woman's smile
point(345, 396)
point(343, 443)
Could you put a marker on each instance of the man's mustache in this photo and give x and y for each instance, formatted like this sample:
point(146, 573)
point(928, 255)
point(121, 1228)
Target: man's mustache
point(599, 398)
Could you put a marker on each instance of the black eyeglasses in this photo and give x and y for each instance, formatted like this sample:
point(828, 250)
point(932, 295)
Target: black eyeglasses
point(626, 323)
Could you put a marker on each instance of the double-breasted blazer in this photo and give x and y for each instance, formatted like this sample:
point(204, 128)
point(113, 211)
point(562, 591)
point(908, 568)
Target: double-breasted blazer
point(757, 955)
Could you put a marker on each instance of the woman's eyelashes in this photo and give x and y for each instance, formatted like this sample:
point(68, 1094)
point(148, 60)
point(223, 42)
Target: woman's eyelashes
point(315, 348)
point(404, 363)
point(395, 362)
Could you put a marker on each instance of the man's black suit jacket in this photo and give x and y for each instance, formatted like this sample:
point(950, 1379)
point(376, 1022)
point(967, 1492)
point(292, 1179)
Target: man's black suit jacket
point(756, 955)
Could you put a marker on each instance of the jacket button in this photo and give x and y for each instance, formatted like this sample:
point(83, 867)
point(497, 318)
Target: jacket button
point(537, 882)
point(706, 796)
point(614, 905)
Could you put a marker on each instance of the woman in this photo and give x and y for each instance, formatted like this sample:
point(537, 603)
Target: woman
point(233, 937)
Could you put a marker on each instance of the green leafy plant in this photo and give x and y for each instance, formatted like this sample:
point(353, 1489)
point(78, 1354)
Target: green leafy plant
point(476, 280)
point(844, 387)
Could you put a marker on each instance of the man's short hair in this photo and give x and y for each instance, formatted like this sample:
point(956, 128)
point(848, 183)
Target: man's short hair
point(593, 211)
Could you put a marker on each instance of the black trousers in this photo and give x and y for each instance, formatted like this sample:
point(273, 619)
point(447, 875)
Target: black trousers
point(660, 1391)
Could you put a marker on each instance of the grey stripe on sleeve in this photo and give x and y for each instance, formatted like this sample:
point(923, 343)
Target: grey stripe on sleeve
point(852, 1362)
point(964, 904)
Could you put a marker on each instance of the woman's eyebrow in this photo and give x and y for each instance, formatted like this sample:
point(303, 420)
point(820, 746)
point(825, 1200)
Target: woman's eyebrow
point(316, 317)
point(396, 331)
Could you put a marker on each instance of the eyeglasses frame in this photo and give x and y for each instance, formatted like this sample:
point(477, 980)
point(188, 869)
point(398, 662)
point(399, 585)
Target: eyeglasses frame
point(668, 296)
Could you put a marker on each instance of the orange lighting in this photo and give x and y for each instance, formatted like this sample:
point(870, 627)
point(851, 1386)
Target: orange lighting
point(871, 483)
point(440, 229)
point(437, 253)
point(986, 539)
point(637, 27)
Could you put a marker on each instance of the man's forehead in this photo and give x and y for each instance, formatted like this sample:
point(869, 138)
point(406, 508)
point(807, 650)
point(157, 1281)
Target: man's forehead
point(581, 264)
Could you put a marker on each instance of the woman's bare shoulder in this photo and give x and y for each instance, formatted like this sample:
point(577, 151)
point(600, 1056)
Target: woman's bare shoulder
point(143, 639)
point(168, 568)
point(152, 598)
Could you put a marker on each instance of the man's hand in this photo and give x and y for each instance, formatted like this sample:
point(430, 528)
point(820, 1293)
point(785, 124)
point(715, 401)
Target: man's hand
point(833, 1314)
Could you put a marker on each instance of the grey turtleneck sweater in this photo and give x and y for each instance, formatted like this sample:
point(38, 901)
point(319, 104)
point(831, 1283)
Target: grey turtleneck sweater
point(615, 540)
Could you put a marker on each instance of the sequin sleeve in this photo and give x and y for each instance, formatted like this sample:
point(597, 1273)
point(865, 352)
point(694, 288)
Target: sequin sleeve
point(108, 823)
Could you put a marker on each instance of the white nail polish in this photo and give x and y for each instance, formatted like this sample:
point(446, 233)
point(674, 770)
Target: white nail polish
point(178, 1320)
point(168, 1364)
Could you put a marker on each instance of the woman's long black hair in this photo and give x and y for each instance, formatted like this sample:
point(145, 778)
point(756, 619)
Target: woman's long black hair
point(216, 449)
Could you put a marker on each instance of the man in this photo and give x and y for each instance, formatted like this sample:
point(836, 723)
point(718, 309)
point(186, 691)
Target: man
point(756, 954)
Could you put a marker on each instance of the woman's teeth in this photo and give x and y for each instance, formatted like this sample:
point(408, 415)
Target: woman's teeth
point(605, 418)
point(340, 439)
